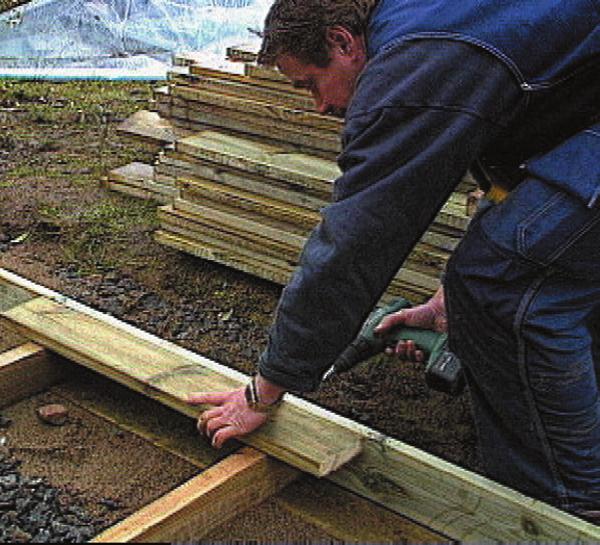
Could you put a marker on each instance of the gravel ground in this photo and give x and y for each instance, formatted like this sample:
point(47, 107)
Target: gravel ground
point(31, 510)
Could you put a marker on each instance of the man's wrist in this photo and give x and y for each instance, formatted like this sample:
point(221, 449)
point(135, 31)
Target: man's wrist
point(268, 392)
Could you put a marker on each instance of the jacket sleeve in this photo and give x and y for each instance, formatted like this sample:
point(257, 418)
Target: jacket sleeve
point(421, 113)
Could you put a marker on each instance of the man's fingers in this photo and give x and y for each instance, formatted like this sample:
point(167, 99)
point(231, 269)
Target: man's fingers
point(215, 424)
point(390, 321)
point(224, 434)
point(208, 398)
point(408, 350)
point(206, 416)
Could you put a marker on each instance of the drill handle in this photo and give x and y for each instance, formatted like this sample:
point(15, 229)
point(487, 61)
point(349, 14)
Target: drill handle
point(426, 340)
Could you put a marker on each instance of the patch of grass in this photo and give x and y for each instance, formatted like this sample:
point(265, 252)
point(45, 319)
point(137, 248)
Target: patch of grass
point(96, 239)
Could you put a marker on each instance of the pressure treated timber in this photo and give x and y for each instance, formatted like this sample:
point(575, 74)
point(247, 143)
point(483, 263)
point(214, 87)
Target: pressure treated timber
point(239, 482)
point(175, 165)
point(192, 123)
point(250, 123)
point(293, 436)
point(148, 127)
point(212, 252)
point(25, 371)
point(180, 166)
point(252, 244)
point(271, 237)
point(138, 180)
point(241, 53)
point(200, 191)
point(247, 89)
point(265, 239)
point(304, 170)
point(212, 247)
point(341, 514)
point(266, 110)
point(440, 495)
point(272, 229)
point(282, 85)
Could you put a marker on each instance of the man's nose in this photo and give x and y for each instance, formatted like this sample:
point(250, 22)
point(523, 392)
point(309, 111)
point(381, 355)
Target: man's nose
point(320, 105)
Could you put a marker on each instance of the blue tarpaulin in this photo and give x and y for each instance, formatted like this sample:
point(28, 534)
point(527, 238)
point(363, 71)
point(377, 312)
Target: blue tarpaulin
point(124, 38)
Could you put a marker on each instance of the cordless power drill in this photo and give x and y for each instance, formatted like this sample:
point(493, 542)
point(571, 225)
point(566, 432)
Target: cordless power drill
point(443, 371)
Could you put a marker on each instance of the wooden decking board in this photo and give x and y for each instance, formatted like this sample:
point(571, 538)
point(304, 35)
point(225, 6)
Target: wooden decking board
point(406, 480)
point(200, 191)
point(277, 113)
point(234, 485)
point(304, 170)
point(179, 118)
point(253, 124)
point(174, 168)
point(250, 245)
point(149, 127)
point(236, 253)
point(194, 164)
point(282, 85)
point(246, 89)
point(139, 192)
point(285, 241)
point(231, 259)
point(292, 436)
point(271, 241)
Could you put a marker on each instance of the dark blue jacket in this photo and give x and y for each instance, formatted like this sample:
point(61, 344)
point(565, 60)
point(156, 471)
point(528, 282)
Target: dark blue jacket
point(505, 88)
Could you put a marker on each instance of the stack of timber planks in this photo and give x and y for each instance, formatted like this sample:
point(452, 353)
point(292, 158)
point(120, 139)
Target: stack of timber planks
point(249, 168)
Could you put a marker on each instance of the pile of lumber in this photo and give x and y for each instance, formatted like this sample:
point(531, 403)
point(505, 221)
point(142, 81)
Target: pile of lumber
point(247, 168)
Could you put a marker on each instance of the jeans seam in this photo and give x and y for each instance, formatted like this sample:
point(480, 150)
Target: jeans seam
point(573, 238)
point(547, 450)
point(524, 226)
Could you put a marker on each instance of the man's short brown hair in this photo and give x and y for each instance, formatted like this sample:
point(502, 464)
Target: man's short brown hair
point(299, 27)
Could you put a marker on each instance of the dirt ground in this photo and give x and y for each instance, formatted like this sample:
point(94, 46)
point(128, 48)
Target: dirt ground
point(60, 228)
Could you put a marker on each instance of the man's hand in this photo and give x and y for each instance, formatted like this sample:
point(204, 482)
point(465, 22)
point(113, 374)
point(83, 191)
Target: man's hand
point(430, 315)
point(232, 417)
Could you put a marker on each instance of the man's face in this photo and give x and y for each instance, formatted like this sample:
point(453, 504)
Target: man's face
point(332, 87)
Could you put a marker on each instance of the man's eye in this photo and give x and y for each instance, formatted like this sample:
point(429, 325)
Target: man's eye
point(306, 84)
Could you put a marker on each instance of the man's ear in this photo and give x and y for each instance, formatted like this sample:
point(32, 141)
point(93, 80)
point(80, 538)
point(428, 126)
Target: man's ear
point(340, 39)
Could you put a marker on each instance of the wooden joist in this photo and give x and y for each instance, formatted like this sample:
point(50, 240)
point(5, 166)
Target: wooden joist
point(341, 514)
point(25, 371)
point(239, 482)
point(406, 480)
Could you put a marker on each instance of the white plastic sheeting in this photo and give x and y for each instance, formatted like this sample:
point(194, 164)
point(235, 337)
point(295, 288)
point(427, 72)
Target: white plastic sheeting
point(121, 38)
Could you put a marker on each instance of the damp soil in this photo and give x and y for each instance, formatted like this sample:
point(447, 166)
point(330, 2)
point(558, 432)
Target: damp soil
point(60, 228)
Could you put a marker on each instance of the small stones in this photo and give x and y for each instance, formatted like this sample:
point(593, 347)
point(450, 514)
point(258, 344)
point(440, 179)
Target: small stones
point(5, 422)
point(111, 505)
point(31, 511)
point(53, 414)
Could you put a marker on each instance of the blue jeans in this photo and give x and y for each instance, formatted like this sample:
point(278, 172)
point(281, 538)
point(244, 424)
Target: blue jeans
point(523, 298)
